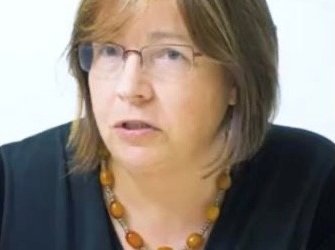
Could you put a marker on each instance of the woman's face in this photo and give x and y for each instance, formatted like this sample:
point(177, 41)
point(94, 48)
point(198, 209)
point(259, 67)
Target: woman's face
point(185, 109)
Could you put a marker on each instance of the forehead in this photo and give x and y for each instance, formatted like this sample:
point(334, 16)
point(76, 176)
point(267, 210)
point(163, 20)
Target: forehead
point(149, 20)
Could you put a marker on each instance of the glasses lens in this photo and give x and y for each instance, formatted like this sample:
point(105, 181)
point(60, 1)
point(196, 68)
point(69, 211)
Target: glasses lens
point(168, 61)
point(102, 58)
point(85, 55)
point(107, 58)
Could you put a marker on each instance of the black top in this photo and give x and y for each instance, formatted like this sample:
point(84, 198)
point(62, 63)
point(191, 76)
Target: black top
point(283, 198)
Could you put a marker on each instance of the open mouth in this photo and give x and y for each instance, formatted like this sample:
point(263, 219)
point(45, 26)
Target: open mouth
point(134, 125)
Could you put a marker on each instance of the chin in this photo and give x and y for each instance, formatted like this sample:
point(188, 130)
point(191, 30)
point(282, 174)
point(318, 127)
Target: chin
point(137, 159)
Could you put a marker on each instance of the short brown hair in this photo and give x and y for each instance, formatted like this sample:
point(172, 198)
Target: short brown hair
point(238, 33)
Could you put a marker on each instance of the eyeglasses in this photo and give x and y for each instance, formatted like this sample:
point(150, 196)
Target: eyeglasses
point(164, 61)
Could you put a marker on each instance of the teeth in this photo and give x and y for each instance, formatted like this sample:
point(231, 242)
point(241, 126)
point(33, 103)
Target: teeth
point(135, 125)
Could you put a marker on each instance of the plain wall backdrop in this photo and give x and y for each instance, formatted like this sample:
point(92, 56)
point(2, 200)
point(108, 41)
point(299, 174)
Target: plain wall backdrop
point(36, 91)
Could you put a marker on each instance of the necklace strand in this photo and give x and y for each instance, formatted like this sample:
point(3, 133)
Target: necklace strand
point(116, 211)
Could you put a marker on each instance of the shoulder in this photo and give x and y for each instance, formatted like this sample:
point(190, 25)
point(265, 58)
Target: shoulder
point(38, 142)
point(42, 144)
point(306, 162)
point(31, 170)
point(293, 176)
point(298, 147)
point(304, 141)
point(296, 161)
point(36, 152)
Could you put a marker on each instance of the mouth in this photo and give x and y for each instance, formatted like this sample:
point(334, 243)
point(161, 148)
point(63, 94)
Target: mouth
point(134, 125)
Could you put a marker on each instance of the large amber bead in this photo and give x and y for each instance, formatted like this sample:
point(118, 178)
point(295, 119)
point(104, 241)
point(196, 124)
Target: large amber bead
point(116, 209)
point(106, 178)
point(224, 181)
point(134, 239)
point(195, 241)
point(213, 213)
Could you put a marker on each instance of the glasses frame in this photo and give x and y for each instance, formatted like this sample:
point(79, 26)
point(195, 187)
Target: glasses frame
point(139, 52)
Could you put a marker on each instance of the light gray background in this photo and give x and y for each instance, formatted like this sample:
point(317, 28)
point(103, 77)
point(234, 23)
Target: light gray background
point(37, 93)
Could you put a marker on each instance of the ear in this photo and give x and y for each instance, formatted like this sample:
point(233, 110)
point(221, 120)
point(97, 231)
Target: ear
point(232, 96)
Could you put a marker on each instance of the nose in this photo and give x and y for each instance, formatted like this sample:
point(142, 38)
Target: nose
point(132, 86)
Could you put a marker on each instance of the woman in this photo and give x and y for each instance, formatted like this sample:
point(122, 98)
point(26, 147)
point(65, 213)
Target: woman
point(174, 149)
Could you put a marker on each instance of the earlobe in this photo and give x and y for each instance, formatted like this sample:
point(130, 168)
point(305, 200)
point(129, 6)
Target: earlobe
point(232, 96)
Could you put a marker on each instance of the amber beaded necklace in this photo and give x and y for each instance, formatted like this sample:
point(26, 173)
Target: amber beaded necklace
point(116, 210)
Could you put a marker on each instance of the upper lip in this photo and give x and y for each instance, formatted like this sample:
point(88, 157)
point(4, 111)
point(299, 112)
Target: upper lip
point(121, 122)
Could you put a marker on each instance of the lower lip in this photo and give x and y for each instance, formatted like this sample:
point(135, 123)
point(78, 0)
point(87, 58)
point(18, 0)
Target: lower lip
point(134, 134)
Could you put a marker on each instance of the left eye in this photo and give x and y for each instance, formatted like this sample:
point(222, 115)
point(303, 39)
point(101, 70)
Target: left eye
point(173, 54)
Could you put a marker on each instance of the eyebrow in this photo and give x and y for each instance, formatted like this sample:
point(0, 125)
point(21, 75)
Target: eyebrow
point(161, 35)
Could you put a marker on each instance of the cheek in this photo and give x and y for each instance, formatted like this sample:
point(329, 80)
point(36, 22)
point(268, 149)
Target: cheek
point(100, 98)
point(195, 111)
point(206, 103)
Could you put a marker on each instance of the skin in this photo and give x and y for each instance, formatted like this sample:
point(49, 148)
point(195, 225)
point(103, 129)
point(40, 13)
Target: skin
point(187, 112)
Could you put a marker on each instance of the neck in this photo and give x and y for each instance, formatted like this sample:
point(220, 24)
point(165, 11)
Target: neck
point(167, 204)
